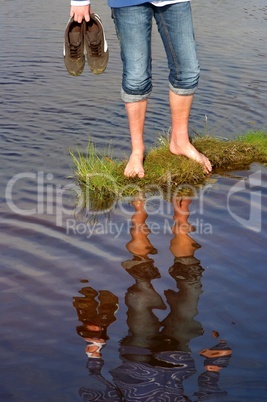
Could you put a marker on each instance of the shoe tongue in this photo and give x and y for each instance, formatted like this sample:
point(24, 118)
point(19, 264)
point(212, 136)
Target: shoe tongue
point(75, 38)
point(93, 37)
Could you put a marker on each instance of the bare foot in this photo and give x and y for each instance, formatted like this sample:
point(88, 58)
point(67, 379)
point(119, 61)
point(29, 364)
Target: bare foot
point(135, 166)
point(192, 153)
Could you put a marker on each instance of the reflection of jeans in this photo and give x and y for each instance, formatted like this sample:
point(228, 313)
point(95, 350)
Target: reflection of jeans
point(133, 26)
point(162, 381)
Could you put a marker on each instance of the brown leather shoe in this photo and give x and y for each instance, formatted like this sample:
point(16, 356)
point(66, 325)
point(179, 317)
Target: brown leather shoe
point(73, 51)
point(95, 44)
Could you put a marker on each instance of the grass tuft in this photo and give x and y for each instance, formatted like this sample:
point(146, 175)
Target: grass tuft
point(102, 181)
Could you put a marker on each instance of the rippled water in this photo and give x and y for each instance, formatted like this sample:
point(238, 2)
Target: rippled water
point(50, 260)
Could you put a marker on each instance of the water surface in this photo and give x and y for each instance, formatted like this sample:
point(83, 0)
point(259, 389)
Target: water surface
point(50, 258)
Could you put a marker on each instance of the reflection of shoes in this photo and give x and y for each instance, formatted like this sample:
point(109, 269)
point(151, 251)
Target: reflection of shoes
point(92, 312)
point(108, 306)
point(86, 306)
point(73, 51)
point(95, 44)
point(107, 297)
point(86, 309)
point(88, 291)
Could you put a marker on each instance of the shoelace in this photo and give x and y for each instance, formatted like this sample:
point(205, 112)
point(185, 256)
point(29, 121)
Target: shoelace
point(95, 49)
point(76, 51)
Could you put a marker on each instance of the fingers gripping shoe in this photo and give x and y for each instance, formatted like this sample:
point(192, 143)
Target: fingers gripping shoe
point(95, 45)
point(73, 51)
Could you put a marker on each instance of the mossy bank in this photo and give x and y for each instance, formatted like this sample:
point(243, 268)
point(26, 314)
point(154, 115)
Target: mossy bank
point(101, 177)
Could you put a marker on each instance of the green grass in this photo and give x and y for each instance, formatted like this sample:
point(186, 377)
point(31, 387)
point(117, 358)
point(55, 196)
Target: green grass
point(259, 139)
point(102, 181)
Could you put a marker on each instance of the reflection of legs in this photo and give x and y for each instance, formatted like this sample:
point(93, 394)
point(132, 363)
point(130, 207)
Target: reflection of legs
point(182, 245)
point(141, 299)
point(152, 366)
point(139, 245)
point(180, 323)
point(186, 271)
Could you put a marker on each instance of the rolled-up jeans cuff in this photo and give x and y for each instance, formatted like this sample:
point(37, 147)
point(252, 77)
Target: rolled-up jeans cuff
point(182, 91)
point(133, 98)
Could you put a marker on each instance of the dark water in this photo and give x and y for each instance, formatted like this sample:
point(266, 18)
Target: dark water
point(165, 293)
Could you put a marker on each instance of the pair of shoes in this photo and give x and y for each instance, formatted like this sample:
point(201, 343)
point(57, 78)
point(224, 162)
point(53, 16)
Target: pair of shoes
point(85, 39)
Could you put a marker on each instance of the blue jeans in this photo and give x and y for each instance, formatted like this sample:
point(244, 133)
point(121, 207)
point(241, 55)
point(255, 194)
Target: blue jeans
point(133, 26)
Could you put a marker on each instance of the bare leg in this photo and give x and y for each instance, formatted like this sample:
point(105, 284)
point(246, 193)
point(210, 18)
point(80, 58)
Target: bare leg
point(180, 144)
point(136, 112)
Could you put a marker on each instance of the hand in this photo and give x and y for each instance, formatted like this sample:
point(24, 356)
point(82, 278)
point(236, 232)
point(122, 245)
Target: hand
point(80, 12)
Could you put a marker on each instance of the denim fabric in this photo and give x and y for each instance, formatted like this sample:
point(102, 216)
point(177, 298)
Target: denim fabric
point(133, 26)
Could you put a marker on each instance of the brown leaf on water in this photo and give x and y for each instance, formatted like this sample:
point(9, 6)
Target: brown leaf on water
point(215, 334)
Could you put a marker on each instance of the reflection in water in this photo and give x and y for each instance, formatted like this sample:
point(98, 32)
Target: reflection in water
point(155, 354)
point(187, 272)
point(96, 316)
point(217, 358)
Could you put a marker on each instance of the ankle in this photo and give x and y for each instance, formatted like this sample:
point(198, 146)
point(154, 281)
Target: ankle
point(138, 151)
point(179, 142)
